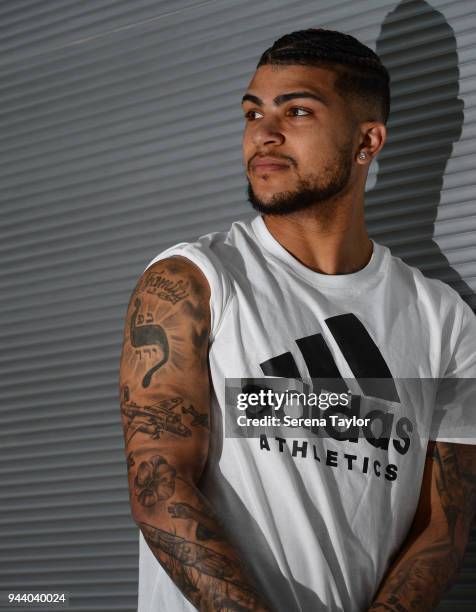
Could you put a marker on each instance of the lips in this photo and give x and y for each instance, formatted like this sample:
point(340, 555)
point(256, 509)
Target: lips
point(268, 163)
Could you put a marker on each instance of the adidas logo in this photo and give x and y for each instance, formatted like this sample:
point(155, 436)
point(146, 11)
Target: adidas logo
point(370, 371)
point(359, 350)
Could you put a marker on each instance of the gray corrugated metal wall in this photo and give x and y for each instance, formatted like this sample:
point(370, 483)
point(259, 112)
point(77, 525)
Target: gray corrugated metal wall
point(121, 129)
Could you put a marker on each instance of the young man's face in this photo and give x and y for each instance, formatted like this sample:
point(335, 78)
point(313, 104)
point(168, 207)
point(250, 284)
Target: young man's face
point(295, 118)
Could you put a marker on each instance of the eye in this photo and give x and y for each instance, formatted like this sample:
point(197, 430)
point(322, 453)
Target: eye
point(297, 109)
point(249, 115)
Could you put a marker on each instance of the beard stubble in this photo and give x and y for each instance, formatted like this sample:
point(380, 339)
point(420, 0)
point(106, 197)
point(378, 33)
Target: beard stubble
point(315, 191)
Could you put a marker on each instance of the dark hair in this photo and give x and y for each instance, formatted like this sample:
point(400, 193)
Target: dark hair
point(360, 73)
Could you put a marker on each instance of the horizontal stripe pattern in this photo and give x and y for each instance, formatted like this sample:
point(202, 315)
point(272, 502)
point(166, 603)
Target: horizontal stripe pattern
point(121, 133)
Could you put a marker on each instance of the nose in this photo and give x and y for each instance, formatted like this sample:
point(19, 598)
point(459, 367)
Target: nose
point(267, 132)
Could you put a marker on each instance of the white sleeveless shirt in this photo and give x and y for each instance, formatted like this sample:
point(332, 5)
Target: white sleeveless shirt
point(317, 520)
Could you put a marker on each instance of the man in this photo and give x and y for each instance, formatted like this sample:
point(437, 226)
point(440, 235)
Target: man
point(349, 521)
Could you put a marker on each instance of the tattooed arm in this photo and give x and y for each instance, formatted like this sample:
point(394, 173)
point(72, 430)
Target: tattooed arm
point(432, 554)
point(165, 406)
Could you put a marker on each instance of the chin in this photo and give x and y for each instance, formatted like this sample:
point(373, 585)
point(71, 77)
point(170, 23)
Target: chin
point(267, 192)
point(266, 196)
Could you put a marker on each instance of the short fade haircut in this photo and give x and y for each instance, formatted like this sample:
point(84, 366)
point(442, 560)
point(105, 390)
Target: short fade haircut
point(360, 75)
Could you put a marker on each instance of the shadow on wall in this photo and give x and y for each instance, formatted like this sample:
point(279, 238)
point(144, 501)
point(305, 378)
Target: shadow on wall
point(425, 121)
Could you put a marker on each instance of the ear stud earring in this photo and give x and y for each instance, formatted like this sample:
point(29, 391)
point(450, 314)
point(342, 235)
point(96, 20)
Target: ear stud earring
point(362, 155)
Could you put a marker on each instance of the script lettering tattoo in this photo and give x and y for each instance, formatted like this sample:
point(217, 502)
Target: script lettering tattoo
point(154, 481)
point(149, 334)
point(157, 283)
point(168, 317)
point(206, 524)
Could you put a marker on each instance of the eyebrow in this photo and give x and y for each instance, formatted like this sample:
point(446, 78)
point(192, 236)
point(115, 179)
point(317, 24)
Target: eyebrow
point(282, 98)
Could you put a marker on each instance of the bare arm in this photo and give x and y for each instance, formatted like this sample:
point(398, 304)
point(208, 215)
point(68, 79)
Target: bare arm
point(165, 406)
point(431, 556)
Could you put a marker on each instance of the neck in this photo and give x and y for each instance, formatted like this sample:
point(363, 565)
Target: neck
point(329, 239)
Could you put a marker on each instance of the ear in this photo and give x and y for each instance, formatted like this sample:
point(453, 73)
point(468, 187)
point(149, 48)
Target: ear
point(373, 135)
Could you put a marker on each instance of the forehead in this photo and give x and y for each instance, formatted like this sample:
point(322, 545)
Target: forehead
point(270, 80)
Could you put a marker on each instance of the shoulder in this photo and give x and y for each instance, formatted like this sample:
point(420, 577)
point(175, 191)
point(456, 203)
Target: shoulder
point(442, 315)
point(174, 292)
point(209, 252)
point(207, 262)
point(433, 295)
